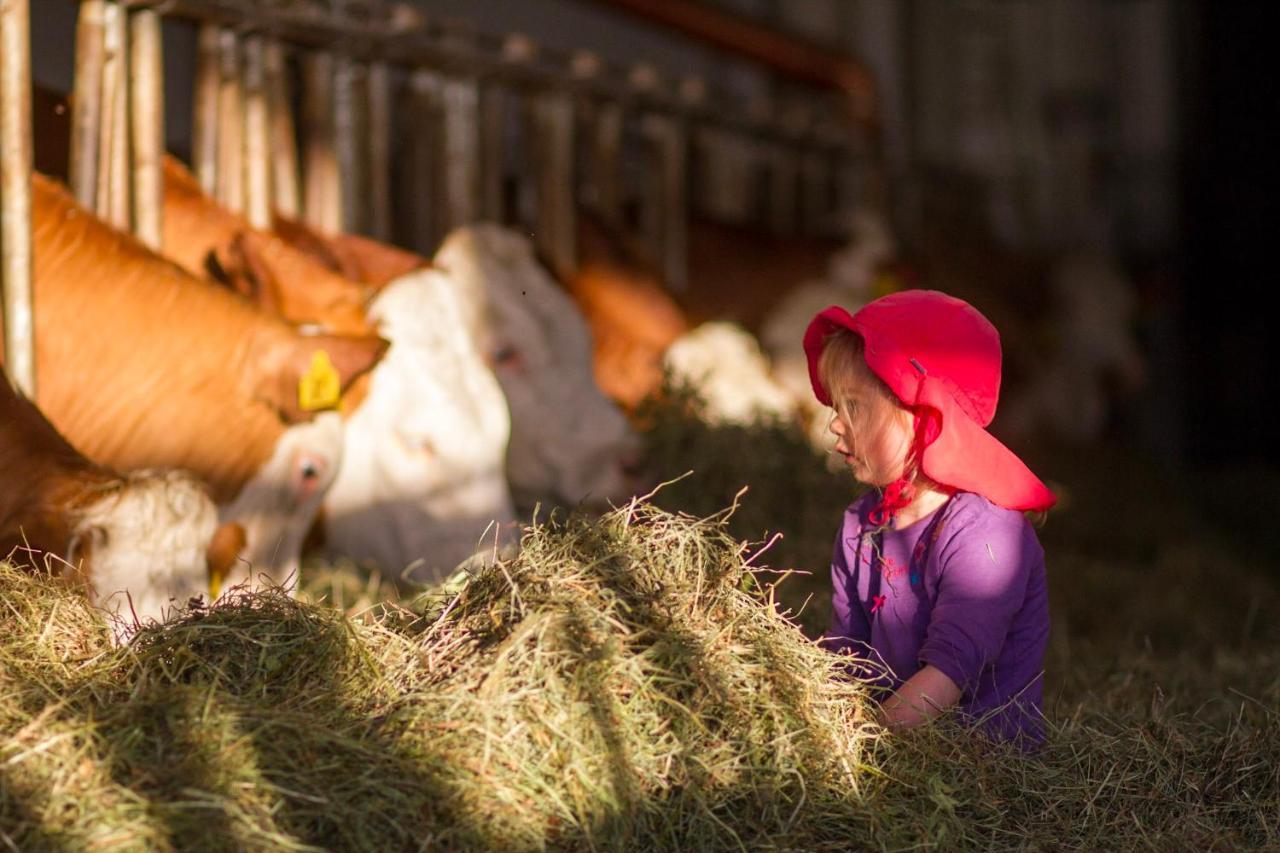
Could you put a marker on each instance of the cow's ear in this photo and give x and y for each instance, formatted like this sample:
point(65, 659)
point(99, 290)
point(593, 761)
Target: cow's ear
point(373, 263)
point(242, 264)
point(315, 245)
point(305, 374)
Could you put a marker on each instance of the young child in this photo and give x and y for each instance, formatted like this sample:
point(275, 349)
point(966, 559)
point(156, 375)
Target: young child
point(939, 580)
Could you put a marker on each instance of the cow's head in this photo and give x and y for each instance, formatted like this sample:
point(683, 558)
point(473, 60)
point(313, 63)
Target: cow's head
point(568, 442)
point(300, 378)
point(149, 542)
point(422, 485)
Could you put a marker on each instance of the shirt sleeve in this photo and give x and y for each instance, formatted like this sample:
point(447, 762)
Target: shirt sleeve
point(849, 626)
point(983, 573)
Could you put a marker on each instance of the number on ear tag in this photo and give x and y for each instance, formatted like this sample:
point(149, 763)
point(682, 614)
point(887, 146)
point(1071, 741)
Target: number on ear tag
point(320, 387)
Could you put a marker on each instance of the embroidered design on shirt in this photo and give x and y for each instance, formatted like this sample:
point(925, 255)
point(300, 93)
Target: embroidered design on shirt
point(889, 568)
point(877, 601)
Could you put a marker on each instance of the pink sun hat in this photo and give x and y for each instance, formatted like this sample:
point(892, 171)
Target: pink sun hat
point(941, 358)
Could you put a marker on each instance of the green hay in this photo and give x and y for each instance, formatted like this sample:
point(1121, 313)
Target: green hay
point(623, 684)
point(627, 683)
point(790, 491)
point(613, 686)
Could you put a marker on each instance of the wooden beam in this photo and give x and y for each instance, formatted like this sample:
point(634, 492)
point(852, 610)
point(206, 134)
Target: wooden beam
point(788, 55)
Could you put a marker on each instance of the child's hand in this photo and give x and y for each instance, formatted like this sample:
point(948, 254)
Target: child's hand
point(922, 697)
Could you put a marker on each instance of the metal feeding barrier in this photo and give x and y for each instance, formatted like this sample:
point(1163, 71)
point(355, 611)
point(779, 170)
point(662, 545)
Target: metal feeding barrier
point(488, 127)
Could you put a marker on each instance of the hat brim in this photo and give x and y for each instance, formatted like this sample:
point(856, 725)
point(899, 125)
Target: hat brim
point(963, 447)
point(823, 324)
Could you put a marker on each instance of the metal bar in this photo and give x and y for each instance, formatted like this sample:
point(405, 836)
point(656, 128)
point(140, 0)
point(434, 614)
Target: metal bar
point(493, 131)
point(424, 131)
point(146, 81)
point(461, 179)
point(556, 229)
point(379, 171)
point(321, 200)
point(204, 125)
point(606, 162)
point(112, 202)
point(86, 108)
point(784, 181)
point(229, 188)
point(665, 213)
point(257, 153)
point(416, 47)
point(816, 185)
point(786, 54)
point(348, 138)
point(284, 140)
point(15, 194)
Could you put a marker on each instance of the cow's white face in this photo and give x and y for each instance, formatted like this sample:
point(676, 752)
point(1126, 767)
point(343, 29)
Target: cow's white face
point(569, 443)
point(724, 363)
point(145, 544)
point(278, 505)
point(422, 483)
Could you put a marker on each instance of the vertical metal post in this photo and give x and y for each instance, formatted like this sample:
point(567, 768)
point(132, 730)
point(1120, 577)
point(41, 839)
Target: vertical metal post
point(204, 119)
point(284, 141)
point(112, 202)
point(816, 190)
point(424, 149)
point(86, 115)
point(322, 205)
point(783, 188)
point(461, 176)
point(606, 162)
point(379, 170)
point(493, 130)
point(665, 211)
point(257, 154)
point(146, 83)
point(348, 122)
point(230, 134)
point(15, 194)
point(556, 230)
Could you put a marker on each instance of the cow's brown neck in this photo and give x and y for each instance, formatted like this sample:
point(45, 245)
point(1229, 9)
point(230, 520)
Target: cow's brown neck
point(132, 385)
point(196, 227)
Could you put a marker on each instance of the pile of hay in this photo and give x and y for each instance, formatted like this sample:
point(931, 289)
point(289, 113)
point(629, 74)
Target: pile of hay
point(791, 492)
point(625, 683)
point(620, 684)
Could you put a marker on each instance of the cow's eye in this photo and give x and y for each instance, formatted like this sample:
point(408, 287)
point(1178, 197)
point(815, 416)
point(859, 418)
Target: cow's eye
point(506, 356)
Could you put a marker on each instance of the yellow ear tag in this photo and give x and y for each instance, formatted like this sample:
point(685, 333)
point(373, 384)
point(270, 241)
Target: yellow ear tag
point(215, 584)
point(320, 387)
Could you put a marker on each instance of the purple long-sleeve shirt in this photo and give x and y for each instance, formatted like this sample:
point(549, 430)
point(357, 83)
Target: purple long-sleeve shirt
point(974, 604)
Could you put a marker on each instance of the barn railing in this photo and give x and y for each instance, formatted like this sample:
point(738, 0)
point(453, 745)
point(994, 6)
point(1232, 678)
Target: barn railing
point(329, 155)
point(15, 193)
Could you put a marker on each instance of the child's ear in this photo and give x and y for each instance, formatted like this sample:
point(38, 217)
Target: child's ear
point(300, 375)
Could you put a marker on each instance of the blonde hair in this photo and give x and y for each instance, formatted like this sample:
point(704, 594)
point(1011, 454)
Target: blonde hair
point(842, 367)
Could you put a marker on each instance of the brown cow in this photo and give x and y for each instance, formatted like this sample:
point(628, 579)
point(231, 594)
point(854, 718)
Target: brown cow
point(141, 366)
point(426, 443)
point(139, 542)
point(209, 241)
point(632, 319)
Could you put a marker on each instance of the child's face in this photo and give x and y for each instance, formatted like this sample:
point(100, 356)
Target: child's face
point(873, 434)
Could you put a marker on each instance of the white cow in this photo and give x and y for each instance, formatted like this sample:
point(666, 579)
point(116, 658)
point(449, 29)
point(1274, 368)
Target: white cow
point(568, 441)
point(422, 485)
point(723, 362)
